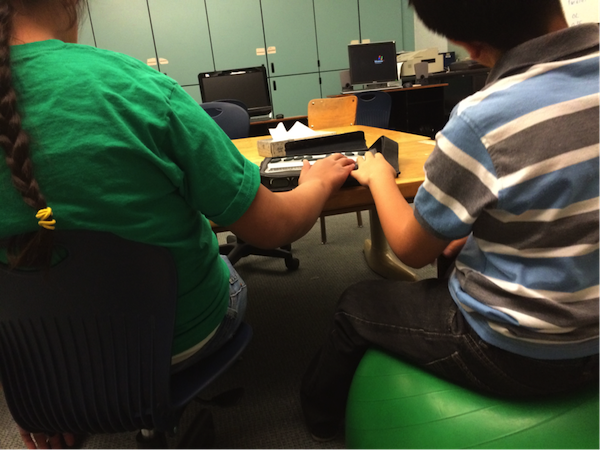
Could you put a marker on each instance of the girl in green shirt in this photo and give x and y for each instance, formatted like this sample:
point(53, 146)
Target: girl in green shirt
point(98, 140)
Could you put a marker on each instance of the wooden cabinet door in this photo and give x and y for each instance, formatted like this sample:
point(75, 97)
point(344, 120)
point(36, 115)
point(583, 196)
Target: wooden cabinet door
point(290, 36)
point(182, 39)
point(123, 26)
point(337, 25)
point(330, 83)
point(86, 32)
point(290, 94)
point(385, 20)
point(236, 33)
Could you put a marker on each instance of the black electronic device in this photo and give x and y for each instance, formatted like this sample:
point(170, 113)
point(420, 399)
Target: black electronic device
point(248, 85)
point(373, 64)
point(282, 173)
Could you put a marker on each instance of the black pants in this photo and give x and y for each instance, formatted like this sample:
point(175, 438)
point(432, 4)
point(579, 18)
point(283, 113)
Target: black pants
point(420, 322)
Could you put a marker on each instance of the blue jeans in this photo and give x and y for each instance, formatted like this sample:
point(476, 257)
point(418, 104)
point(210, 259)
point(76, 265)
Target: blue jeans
point(420, 322)
point(238, 298)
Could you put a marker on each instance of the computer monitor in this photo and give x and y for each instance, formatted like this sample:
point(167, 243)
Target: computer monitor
point(249, 85)
point(373, 64)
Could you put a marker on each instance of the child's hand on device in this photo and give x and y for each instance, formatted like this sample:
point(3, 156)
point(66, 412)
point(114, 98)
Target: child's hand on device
point(371, 167)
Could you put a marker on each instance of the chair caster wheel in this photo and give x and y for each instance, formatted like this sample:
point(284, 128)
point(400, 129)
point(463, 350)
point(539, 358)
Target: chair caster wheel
point(292, 263)
point(157, 440)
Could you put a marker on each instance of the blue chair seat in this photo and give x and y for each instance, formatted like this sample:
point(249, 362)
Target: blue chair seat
point(233, 119)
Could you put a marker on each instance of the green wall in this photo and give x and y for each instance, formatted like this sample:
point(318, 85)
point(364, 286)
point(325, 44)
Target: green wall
point(303, 43)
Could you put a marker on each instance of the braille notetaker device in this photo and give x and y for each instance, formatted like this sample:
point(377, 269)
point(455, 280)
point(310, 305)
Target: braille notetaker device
point(282, 173)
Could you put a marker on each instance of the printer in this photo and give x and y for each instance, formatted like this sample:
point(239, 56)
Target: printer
point(406, 61)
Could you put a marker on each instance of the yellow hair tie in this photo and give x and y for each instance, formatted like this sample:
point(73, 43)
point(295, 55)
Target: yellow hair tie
point(45, 214)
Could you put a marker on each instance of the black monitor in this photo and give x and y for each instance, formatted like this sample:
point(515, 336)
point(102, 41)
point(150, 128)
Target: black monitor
point(373, 64)
point(248, 85)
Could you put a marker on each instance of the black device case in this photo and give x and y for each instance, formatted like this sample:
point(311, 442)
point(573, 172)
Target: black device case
point(337, 143)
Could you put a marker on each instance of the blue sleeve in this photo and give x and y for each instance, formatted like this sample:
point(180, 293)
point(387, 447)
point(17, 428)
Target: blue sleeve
point(460, 182)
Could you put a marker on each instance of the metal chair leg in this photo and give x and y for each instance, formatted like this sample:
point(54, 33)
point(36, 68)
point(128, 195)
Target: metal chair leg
point(201, 432)
point(359, 219)
point(149, 439)
point(323, 231)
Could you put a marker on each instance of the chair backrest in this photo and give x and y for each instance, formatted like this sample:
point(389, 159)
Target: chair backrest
point(235, 101)
point(373, 109)
point(85, 346)
point(332, 112)
point(231, 117)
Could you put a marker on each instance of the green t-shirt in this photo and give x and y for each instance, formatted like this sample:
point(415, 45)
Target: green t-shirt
point(120, 147)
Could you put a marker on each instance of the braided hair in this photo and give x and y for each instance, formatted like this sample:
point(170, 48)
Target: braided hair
point(30, 249)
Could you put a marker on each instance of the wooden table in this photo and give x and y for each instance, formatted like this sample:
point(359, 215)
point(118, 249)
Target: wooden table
point(413, 150)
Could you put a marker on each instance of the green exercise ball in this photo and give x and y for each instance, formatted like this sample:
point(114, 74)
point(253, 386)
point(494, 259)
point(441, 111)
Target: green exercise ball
point(393, 404)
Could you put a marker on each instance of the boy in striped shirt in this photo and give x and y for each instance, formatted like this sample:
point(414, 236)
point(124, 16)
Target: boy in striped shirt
point(511, 189)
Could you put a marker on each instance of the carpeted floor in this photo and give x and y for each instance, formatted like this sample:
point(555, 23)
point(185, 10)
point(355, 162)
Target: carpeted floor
point(289, 313)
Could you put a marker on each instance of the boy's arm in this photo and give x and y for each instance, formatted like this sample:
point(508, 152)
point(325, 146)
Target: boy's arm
point(411, 243)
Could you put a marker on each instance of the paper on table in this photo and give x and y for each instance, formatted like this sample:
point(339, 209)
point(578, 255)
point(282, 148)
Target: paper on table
point(297, 131)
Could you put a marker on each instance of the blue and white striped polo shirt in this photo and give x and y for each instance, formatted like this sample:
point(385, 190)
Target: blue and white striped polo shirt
point(516, 169)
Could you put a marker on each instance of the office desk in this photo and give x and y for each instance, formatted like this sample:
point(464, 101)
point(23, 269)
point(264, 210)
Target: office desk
point(413, 150)
point(418, 109)
point(461, 84)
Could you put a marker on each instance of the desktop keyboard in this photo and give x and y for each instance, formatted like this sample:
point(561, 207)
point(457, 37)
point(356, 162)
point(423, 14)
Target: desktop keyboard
point(285, 163)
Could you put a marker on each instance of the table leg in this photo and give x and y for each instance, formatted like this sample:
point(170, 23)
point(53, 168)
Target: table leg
point(380, 257)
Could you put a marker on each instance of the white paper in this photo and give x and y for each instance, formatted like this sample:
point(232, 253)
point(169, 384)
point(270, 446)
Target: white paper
point(297, 131)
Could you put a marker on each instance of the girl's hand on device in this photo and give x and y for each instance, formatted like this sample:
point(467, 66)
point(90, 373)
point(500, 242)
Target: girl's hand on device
point(332, 171)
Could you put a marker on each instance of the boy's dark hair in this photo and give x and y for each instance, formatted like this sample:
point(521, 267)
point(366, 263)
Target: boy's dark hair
point(503, 24)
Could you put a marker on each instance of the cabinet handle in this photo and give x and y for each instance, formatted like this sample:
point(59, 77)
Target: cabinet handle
point(272, 67)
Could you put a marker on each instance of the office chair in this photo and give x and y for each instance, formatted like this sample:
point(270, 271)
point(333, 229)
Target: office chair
point(332, 112)
point(85, 346)
point(373, 109)
point(231, 117)
point(234, 101)
point(236, 249)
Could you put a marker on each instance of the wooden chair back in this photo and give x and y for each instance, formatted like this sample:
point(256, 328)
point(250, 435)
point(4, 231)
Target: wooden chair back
point(332, 112)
